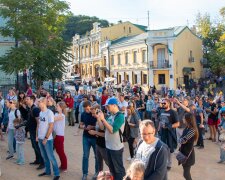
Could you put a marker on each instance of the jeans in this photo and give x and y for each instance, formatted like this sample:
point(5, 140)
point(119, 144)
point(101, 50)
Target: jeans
point(101, 155)
point(20, 152)
point(77, 114)
point(141, 114)
point(200, 137)
point(116, 163)
point(59, 147)
point(11, 141)
point(36, 148)
point(71, 117)
point(87, 144)
point(131, 147)
point(169, 162)
point(148, 114)
point(48, 156)
point(222, 152)
point(187, 172)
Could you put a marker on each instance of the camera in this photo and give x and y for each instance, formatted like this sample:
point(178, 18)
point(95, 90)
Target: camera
point(97, 111)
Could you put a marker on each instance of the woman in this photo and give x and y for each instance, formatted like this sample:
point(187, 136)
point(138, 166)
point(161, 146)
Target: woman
point(189, 136)
point(59, 128)
point(13, 114)
point(70, 103)
point(51, 104)
point(133, 121)
point(23, 108)
point(93, 100)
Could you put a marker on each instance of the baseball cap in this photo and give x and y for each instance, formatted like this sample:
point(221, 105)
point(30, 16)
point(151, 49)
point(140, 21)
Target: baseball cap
point(111, 101)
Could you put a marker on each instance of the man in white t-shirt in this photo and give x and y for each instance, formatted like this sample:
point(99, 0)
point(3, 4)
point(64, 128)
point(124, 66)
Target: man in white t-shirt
point(45, 139)
point(123, 104)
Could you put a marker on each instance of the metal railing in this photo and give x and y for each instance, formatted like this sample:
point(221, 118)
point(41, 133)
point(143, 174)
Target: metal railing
point(159, 65)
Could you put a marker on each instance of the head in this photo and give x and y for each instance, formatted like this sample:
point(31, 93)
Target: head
point(94, 110)
point(190, 121)
point(121, 97)
point(13, 104)
point(222, 103)
point(61, 107)
point(185, 102)
point(30, 100)
point(12, 92)
point(136, 170)
point(147, 130)
point(7, 103)
point(50, 101)
point(92, 98)
point(42, 103)
point(17, 121)
point(130, 110)
point(112, 105)
point(166, 104)
point(149, 97)
point(22, 95)
point(68, 94)
point(87, 106)
point(85, 98)
point(200, 102)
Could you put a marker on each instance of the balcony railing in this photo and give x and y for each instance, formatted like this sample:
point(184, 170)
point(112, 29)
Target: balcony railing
point(159, 64)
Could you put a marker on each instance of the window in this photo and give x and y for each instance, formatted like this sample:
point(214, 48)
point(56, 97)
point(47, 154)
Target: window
point(119, 59)
point(144, 78)
point(135, 56)
point(144, 56)
point(126, 58)
point(162, 79)
point(112, 60)
point(129, 29)
point(90, 70)
point(135, 79)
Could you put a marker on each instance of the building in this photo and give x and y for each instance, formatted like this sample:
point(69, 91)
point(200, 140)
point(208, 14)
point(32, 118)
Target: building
point(6, 43)
point(174, 56)
point(89, 60)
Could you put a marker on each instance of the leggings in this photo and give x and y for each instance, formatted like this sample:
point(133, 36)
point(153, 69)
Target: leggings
point(187, 172)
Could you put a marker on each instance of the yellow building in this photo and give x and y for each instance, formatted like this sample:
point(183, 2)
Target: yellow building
point(175, 56)
point(87, 50)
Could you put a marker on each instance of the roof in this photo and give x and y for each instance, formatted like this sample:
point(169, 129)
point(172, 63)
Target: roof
point(130, 39)
point(143, 28)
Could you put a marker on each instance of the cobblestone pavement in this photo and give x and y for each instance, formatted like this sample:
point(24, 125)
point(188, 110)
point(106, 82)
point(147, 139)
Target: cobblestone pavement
point(206, 166)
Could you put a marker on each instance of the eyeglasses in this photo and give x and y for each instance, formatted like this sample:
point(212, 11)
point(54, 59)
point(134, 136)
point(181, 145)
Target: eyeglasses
point(163, 103)
point(148, 134)
point(10, 102)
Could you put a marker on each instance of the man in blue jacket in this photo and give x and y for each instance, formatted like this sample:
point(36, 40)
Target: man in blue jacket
point(153, 152)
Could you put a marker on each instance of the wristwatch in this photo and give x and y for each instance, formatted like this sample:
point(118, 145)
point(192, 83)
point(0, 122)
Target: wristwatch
point(46, 137)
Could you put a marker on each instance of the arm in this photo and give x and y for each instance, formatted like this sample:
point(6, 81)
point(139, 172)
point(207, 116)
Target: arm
point(37, 120)
point(96, 133)
point(189, 135)
point(59, 117)
point(177, 123)
point(182, 106)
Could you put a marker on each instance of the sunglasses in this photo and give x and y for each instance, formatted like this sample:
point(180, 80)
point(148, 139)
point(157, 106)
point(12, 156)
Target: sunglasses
point(163, 103)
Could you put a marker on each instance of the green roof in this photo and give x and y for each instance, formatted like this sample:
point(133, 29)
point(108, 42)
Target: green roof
point(143, 28)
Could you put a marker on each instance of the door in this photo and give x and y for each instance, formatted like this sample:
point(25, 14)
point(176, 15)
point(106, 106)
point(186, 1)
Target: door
point(186, 81)
point(161, 58)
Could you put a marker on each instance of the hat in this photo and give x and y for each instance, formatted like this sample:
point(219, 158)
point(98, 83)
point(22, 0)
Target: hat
point(111, 101)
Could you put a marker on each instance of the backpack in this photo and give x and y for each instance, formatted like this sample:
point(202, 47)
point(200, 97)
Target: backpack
point(126, 133)
point(15, 113)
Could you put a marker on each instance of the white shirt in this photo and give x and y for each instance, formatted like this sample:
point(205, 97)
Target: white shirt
point(12, 117)
point(46, 117)
point(123, 104)
point(59, 126)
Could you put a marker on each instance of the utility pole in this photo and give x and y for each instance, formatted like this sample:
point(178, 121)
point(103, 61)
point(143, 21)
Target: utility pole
point(148, 22)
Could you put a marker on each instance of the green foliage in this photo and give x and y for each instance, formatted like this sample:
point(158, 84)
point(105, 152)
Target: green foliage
point(212, 35)
point(80, 25)
point(38, 26)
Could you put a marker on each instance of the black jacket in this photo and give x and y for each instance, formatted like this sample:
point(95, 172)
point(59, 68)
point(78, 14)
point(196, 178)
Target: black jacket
point(157, 164)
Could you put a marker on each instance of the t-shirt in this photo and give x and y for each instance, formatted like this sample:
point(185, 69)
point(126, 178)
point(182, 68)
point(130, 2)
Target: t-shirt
point(145, 151)
point(197, 115)
point(168, 117)
point(45, 119)
point(12, 117)
point(33, 113)
point(88, 119)
point(123, 104)
point(59, 126)
point(117, 121)
point(139, 104)
point(211, 115)
point(181, 112)
point(100, 141)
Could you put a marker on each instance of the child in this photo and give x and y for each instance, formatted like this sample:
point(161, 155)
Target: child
point(20, 140)
point(135, 171)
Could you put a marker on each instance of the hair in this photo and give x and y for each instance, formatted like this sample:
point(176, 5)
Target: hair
point(86, 104)
point(52, 100)
point(146, 123)
point(96, 107)
point(94, 97)
point(131, 108)
point(136, 166)
point(191, 123)
point(17, 121)
point(32, 97)
point(63, 106)
point(19, 98)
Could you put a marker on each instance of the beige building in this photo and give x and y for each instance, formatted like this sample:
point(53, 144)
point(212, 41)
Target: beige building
point(89, 60)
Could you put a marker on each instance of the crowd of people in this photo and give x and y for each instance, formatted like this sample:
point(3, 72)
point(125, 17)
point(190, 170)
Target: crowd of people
point(155, 125)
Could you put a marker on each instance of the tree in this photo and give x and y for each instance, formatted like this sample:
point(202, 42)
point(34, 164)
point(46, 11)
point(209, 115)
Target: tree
point(80, 25)
point(37, 25)
point(213, 45)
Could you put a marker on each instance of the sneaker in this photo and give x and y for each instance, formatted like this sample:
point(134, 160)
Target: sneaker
point(20, 163)
point(201, 147)
point(41, 166)
point(220, 162)
point(84, 177)
point(56, 177)
point(95, 176)
point(129, 159)
point(9, 157)
point(34, 163)
point(44, 174)
point(168, 168)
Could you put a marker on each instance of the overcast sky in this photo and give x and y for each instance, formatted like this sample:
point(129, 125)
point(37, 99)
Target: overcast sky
point(163, 13)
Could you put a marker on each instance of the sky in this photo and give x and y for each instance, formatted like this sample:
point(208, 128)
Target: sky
point(162, 13)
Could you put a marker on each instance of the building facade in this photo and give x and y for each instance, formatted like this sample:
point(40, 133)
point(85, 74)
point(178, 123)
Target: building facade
point(89, 60)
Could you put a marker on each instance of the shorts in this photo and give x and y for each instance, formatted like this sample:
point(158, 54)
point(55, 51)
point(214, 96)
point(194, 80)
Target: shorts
point(212, 122)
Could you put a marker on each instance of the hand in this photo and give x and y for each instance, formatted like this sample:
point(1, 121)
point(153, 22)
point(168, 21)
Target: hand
point(89, 127)
point(92, 132)
point(201, 125)
point(44, 141)
point(100, 115)
point(36, 139)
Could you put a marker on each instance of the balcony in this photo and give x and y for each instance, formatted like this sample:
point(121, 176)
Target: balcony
point(159, 65)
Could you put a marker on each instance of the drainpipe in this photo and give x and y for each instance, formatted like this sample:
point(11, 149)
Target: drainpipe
point(109, 61)
point(147, 62)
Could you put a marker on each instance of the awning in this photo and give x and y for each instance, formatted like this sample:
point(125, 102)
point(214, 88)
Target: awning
point(188, 70)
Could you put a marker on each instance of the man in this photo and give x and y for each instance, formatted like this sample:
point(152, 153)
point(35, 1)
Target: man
point(33, 118)
point(181, 110)
point(152, 152)
point(123, 104)
point(168, 124)
point(114, 126)
point(88, 122)
point(45, 139)
point(140, 106)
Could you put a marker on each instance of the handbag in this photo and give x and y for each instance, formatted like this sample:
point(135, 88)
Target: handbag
point(181, 158)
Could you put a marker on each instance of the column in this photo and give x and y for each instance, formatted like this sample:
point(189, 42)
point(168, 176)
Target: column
point(171, 69)
point(150, 58)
